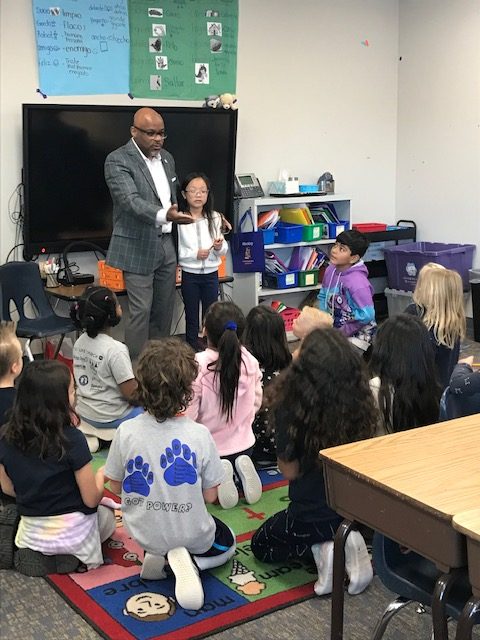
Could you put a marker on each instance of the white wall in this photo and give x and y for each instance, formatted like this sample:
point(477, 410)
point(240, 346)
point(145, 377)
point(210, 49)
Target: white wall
point(438, 174)
point(312, 97)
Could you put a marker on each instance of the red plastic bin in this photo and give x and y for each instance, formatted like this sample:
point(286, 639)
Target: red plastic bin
point(367, 227)
point(289, 314)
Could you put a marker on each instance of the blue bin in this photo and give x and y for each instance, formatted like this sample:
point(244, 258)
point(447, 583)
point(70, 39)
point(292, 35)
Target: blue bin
point(281, 280)
point(334, 228)
point(287, 233)
point(268, 236)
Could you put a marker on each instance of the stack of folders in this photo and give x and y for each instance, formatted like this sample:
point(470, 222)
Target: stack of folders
point(302, 259)
point(296, 215)
point(268, 219)
point(324, 212)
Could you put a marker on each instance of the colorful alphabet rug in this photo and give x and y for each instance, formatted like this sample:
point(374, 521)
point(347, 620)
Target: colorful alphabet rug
point(121, 606)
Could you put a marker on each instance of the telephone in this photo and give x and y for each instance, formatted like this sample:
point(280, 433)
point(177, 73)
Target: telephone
point(247, 186)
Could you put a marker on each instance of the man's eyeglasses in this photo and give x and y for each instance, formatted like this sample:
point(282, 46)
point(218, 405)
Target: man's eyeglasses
point(197, 192)
point(150, 133)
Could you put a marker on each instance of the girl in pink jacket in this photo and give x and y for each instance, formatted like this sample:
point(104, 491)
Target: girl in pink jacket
point(227, 395)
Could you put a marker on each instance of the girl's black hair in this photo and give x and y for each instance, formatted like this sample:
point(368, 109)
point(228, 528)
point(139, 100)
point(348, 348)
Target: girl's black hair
point(224, 324)
point(41, 410)
point(325, 397)
point(404, 359)
point(266, 339)
point(95, 311)
point(208, 206)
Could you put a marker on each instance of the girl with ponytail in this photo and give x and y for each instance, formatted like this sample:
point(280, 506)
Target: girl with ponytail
point(227, 394)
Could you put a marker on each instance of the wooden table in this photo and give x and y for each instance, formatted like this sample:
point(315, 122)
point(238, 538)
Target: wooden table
point(468, 523)
point(74, 292)
point(408, 486)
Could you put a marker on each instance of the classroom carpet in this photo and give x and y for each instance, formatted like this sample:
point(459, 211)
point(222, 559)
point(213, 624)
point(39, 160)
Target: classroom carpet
point(116, 602)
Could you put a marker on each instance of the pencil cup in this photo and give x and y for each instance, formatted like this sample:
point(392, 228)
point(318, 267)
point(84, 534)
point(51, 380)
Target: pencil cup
point(52, 280)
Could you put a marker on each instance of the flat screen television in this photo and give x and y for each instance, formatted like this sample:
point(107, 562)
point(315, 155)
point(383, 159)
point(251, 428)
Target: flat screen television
point(64, 150)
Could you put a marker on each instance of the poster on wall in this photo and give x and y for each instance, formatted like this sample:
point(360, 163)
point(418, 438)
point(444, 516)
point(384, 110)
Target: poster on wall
point(183, 49)
point(82, 47)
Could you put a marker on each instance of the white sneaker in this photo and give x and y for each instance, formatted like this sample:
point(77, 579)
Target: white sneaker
point(188, 586)
point(323, 556)
point(227, 491)
point(93, 443)
point(357, 563)
point(251, 483)
point(153, 567)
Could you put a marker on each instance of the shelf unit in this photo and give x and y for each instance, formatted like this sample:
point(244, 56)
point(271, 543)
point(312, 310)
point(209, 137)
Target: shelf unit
point(247, 289)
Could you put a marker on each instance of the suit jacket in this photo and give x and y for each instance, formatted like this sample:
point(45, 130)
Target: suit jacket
point(134, 243)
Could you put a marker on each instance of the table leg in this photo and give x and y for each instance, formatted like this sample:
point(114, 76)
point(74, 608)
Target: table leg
point(467, 619)
point(338, 593)
point(440, 595)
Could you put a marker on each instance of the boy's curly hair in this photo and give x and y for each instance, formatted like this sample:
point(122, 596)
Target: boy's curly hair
point(165, 374)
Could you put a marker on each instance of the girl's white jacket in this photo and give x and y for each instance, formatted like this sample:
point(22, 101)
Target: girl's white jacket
point(195, 236)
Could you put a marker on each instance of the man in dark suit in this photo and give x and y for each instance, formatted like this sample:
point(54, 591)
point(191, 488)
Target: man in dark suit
point(142, 182)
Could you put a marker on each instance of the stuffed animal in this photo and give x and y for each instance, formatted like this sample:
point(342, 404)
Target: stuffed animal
point(212, 102)
point(229, 101)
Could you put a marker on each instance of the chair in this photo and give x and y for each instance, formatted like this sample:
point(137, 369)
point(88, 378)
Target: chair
point(414, 579)
point(21, 283)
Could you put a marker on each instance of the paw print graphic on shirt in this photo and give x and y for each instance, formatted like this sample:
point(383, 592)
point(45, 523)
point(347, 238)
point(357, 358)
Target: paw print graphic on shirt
point(180, 464)
point(140, 477)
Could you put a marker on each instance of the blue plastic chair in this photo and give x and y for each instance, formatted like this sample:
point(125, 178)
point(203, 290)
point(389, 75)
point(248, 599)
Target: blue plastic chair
point(20, 283)
point(414, 579)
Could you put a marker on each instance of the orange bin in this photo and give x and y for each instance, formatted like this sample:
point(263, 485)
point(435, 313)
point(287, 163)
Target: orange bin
point(110, 277)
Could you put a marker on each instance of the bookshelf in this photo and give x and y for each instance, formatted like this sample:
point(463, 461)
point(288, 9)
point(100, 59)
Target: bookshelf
point(247, 287)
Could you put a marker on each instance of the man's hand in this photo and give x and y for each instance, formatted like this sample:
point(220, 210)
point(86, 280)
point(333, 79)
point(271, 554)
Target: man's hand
point(202, 254)
point(174, 215)
point(218, 243)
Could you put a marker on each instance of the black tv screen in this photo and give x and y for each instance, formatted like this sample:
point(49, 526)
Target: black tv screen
point(64, 150)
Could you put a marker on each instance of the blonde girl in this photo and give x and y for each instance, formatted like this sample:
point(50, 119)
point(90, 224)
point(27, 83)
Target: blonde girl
point(438, 301)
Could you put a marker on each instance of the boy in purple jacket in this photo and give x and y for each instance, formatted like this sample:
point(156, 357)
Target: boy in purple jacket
point(346, 292)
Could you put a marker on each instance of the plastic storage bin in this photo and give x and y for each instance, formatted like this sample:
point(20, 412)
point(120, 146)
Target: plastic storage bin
point(334, 228)
point(315, 231)
point(368, 227)
point(281, 280)
point(288, 233)
point(397, 301)
point(308, 278)
point(405, 261)
point(289, 314)
point(109, 276)
point(268, 236)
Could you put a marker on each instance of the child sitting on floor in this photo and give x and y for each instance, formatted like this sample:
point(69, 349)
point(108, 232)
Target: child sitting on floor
point(309, 319)
point(438, 301)
point(321, 400)
point(102, 367)
point(45, 463)
point(266, 339)
point(346, 292)
point(11, 364)
point(166, 467)
point(226, 396)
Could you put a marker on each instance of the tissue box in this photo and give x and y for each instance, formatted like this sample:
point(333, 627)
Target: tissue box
point(284, 187)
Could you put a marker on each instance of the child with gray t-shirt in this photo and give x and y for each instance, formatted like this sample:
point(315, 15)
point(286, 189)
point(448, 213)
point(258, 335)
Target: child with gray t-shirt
point(166, 467)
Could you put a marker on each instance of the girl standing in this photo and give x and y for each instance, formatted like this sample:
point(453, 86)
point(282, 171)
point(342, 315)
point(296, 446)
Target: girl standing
point(102, 367)
point(227, 393)
point(200, 246)
point(321, 400)
point(45, 463)
point(265, 338)
point(404, 375)
point(438, 301)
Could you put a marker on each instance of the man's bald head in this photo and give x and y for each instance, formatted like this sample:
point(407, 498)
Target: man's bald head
point(148, 131)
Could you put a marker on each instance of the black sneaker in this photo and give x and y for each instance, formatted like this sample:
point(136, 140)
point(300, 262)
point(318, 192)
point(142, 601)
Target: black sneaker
point(35, 564)
point(8, 528)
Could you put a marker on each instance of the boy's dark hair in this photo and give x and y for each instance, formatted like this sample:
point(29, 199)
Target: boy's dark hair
point(165, 374)
point(8, 347)
point(357, 242)
point(95, 311)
